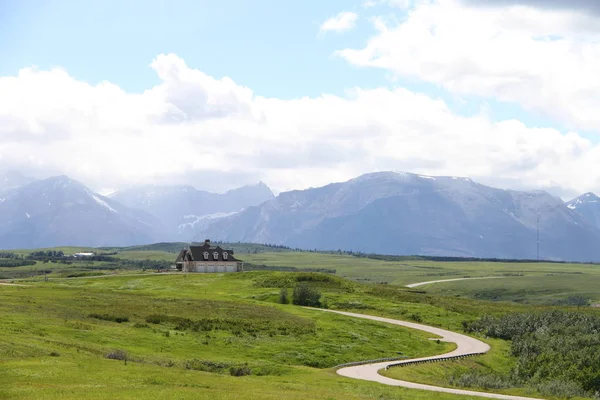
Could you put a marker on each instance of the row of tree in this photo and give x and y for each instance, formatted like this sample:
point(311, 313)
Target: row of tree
point(552, 346)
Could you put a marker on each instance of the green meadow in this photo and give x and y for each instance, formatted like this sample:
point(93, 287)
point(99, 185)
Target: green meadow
point(185, 336)
point(109, 329)
point(529, 283)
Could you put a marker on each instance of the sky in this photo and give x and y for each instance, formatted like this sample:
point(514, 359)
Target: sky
point(301, 94)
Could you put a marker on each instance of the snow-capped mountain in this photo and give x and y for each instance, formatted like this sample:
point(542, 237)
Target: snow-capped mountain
point(588, 206)
point(385, 212)
point(403, 213)
point(184, 211)
point(60, 211)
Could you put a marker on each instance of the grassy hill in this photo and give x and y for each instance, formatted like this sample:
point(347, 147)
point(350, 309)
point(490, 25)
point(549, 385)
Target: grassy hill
point(115, 328)
point(202, 327)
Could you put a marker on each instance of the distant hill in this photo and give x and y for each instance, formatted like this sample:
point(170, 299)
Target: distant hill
point(402, 213)
point(60, 211)
point(588, 206)
point(184, 211)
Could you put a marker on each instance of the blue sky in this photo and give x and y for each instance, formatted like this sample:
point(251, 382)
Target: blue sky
point(269, 46)
point(275, 49)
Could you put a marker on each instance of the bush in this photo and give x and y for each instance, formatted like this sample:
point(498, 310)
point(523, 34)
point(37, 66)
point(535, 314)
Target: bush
point(117, 355)
point(107, 317)
point(240, 370)
point(155, 318)
point(555, 350)
point(54, 354)
point(560, 389)
point(206, 365)
point(304, 295)
point(416, 317)
point(283, 296)
point(481, 381)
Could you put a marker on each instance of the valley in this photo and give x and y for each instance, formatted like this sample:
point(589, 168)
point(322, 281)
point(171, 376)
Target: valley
point(185, 335)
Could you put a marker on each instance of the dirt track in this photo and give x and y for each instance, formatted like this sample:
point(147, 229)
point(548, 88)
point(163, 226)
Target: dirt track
point(465, 345)
point(412, 285)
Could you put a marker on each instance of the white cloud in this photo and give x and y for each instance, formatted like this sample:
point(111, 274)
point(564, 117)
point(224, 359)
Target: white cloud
point(543, 59)
point(342, 22)
point(50, 123)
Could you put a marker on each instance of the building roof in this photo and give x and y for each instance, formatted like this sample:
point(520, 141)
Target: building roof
point(197, 253)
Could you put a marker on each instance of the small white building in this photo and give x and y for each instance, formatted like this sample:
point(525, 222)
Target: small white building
point(83, 255)
point(206, 259)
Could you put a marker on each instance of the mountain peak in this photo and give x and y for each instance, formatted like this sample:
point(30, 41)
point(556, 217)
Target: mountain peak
point(62, 181)
point(582, 200)
point(259, 188)
point(59, 178)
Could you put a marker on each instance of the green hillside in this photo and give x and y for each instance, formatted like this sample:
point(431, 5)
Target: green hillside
point(114, 327)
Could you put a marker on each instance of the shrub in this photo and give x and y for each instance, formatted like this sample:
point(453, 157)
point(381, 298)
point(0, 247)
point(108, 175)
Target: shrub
point(206, 365)
point(481, 380)
point(242, 370)
point(560, 389)
point(304, 295)
point(283, 296)
point(416, 317)
point(54, 354)
point(155, 318)
point(117, 355)
point(555, 349)
point(107, 317)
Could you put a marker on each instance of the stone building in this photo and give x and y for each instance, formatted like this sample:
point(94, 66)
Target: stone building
point(206, 258)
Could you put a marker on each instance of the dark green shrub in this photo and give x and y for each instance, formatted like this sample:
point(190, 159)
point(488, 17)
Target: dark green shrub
point(117, 355)
point(155, 318)
point(242, 370)
point(305, 295)
point(107, 317)
point(416, 317)
point(283, 296)
point(482, 381)
point(556, 350)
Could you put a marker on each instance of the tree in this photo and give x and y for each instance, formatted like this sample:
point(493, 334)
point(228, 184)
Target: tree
point(304, 295)
point(283, 296)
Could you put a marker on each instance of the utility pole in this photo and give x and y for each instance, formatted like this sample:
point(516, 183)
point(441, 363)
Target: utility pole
point(538, 237)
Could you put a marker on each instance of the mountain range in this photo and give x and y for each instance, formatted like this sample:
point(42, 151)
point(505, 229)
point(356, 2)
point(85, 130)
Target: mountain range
point(383, 212)
point(402, 213)
point(60, 211)
point(184, 211)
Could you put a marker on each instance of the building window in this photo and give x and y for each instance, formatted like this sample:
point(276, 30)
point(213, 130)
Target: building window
point(216, 255)
point(225, 255)
point(206, 255)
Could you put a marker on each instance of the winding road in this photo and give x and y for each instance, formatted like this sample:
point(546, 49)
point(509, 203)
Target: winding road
point(464, 345)
point(413, 285)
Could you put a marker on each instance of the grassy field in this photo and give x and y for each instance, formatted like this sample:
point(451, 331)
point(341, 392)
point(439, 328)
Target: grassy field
point(185, 334)
point(529, 283)
point(537, 283)
point(53, 331)
point(497, 360)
